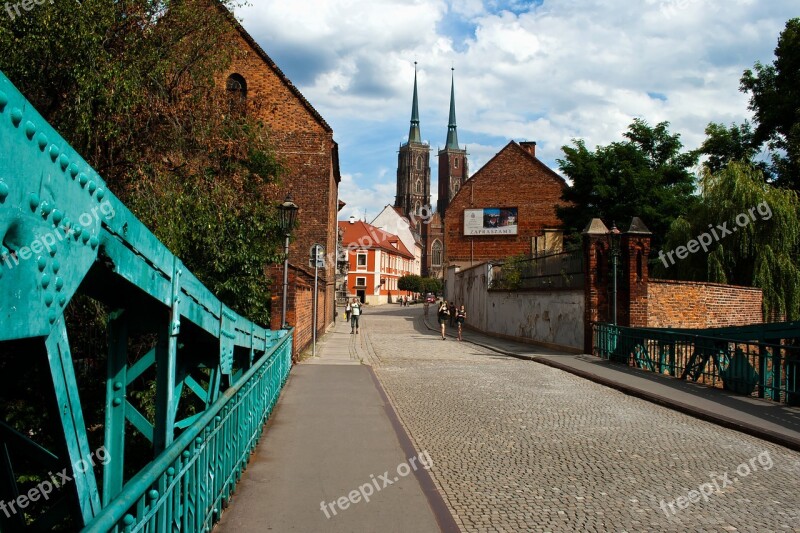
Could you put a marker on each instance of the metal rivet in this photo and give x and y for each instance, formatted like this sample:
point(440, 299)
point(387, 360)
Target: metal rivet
point(3, 100)
point(117, 385)
point(62, 300)
point(16, 116)
point(92, 187)
point(101, 193)
point(3, 191)
point(45, 281)
point(41, 140)
point(63, 160)
point(56, 266)
point(51, 317)
point(58, 216)
point(30, 129)
point(93, 242)
point(54, 151)
point(85, 235)
point(52, 252)
point(59, 283)
point(48, 299)
point(46, 209)
point(83, 179)
point(73, 169)
point(117, 402)
point(34, 201)
point(41, 263)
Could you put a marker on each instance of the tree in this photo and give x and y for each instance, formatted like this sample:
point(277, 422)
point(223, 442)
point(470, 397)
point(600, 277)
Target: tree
point(432, 285)
point(646, 175)
point(410, 282)
point(724, 145)
point(758, 247)
point(775, 101)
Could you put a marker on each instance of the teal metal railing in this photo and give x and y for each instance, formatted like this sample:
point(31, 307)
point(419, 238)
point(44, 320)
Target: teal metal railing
point(749, 367)
point(187, 486)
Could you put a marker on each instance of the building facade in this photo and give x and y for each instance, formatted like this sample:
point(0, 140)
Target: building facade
point(376, 261)
point(392, 220)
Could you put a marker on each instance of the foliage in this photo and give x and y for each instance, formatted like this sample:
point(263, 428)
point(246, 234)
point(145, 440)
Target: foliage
point(726, 144)
point(774, 95)
point(510, 273)
point(760, 253)
point(647, 175)
point(431, 285)
point(410, 282)
point(132, 86)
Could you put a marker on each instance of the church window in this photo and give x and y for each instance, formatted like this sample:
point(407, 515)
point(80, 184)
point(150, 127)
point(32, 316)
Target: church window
point(236, 87)
point(419, 162)
point(418, 187)
point(436, 253)
point(455, 162)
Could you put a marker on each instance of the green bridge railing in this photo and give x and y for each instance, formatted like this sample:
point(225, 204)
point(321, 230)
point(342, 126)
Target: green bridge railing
point(186, 379)
point(761, 361)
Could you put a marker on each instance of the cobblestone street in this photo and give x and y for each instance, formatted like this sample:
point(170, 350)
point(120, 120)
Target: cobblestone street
point(519, 446)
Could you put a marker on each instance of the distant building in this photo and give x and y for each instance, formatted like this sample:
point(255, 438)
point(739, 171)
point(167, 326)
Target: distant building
point(506, 208)
point(376, 261)
point(391, 219)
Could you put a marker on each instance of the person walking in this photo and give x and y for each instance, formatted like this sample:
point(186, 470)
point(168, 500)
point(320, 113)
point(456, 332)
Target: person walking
point(347, 310)
point(461, 317)
point(355, 312)
point(444, 313)
point(452, 309)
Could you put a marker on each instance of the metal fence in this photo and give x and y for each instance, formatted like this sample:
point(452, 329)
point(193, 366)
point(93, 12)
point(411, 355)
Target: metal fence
point(557, 271)
point(752, 368)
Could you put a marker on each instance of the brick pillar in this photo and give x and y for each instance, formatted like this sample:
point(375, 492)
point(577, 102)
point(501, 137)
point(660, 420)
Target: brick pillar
point(633, 275)
point(596, 278)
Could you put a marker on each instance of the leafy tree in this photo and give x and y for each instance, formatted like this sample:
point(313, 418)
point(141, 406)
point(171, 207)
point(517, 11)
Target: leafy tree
point(646, 175)
point(432, 285)
point(759, 248)
point(775, 101)
point(410, 282)
point(729, 144)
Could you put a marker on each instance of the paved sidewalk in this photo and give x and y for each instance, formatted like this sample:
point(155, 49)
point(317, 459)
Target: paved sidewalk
point(332, 433)
point(764, 419)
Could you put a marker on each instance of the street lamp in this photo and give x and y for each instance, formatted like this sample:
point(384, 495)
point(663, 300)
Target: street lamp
point(615, 238)
point(288, 214)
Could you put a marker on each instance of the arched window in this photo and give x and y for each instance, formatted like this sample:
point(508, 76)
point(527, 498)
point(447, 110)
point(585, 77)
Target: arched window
point(417, 209)
point(455, 162)
point(236, 86)
point(418, 186)
point(419, 162)
point(436, 253)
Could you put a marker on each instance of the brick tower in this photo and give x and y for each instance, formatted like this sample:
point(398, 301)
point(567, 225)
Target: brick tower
point(414, 167)
point(453, 169)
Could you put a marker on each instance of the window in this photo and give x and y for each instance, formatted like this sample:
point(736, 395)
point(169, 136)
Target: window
point(361, 261)
point(418, 187)
point(419, 162)
point(236, 87)
point(361, 282)
point(436, 253)
point(455, 162)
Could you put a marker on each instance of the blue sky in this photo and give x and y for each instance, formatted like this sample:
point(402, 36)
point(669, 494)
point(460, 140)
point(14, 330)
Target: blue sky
point(544, 71)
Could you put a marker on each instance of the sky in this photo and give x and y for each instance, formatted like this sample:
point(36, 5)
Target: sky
point(548, 71)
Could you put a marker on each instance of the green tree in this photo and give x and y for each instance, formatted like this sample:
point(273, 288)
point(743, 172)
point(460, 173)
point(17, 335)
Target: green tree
point(646, 175)
point(724, 145)
point(775, 101)
point(760, 252)
point(432, 285)
point(410, 282)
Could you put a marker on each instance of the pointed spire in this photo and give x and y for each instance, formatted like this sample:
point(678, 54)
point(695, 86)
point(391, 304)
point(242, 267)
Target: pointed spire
point(452, 134)
point(413, 132)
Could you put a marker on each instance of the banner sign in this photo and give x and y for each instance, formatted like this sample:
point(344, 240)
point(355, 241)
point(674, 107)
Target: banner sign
point(490, 221)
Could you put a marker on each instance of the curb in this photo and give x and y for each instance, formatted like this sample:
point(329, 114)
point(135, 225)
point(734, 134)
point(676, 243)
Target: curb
point(696, 412)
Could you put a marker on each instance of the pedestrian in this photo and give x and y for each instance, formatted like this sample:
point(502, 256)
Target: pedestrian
point(452, 309)
point(347, 310)
point(425, 306)
point(461, 317)
point(355, 312)
point(444, 313)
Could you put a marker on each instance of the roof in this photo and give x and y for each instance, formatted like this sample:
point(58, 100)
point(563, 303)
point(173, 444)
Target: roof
point(367, 236)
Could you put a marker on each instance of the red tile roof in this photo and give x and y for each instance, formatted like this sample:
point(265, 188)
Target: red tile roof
point(367, 236)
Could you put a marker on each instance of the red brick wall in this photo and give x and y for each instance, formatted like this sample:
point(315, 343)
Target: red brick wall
point(513, 178)
point(305, 146)
point(685, 304)
point(299, 306)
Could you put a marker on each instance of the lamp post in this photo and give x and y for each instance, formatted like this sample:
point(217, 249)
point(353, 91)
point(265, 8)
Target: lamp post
point(288, 214)
point(615, 237)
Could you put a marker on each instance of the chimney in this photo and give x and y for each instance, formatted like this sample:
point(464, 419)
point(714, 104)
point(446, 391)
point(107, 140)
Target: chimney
point(529, 146)
point(352, 219)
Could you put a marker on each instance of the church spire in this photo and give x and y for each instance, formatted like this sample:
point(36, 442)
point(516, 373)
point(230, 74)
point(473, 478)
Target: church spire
point(452, 134)
point(413, 132)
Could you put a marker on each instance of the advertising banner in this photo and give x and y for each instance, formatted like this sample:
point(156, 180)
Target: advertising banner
point(490, 221)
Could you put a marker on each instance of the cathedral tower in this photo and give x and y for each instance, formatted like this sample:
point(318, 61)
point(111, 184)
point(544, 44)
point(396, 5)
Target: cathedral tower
point(413, 167)
point(453, 168)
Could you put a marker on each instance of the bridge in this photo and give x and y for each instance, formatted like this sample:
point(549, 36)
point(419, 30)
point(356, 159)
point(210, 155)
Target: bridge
point(216, 376)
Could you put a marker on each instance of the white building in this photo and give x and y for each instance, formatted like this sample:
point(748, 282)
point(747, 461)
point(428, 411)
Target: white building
point(391, 220)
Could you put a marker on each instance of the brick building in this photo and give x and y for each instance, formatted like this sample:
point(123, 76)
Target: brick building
point(509, 207)
point(304, 144)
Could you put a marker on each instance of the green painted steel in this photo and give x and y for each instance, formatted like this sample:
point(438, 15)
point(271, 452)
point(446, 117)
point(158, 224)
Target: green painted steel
point(64, 234)
point(736, 360)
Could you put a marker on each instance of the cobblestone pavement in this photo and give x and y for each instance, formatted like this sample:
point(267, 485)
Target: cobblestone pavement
point(518, 446)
